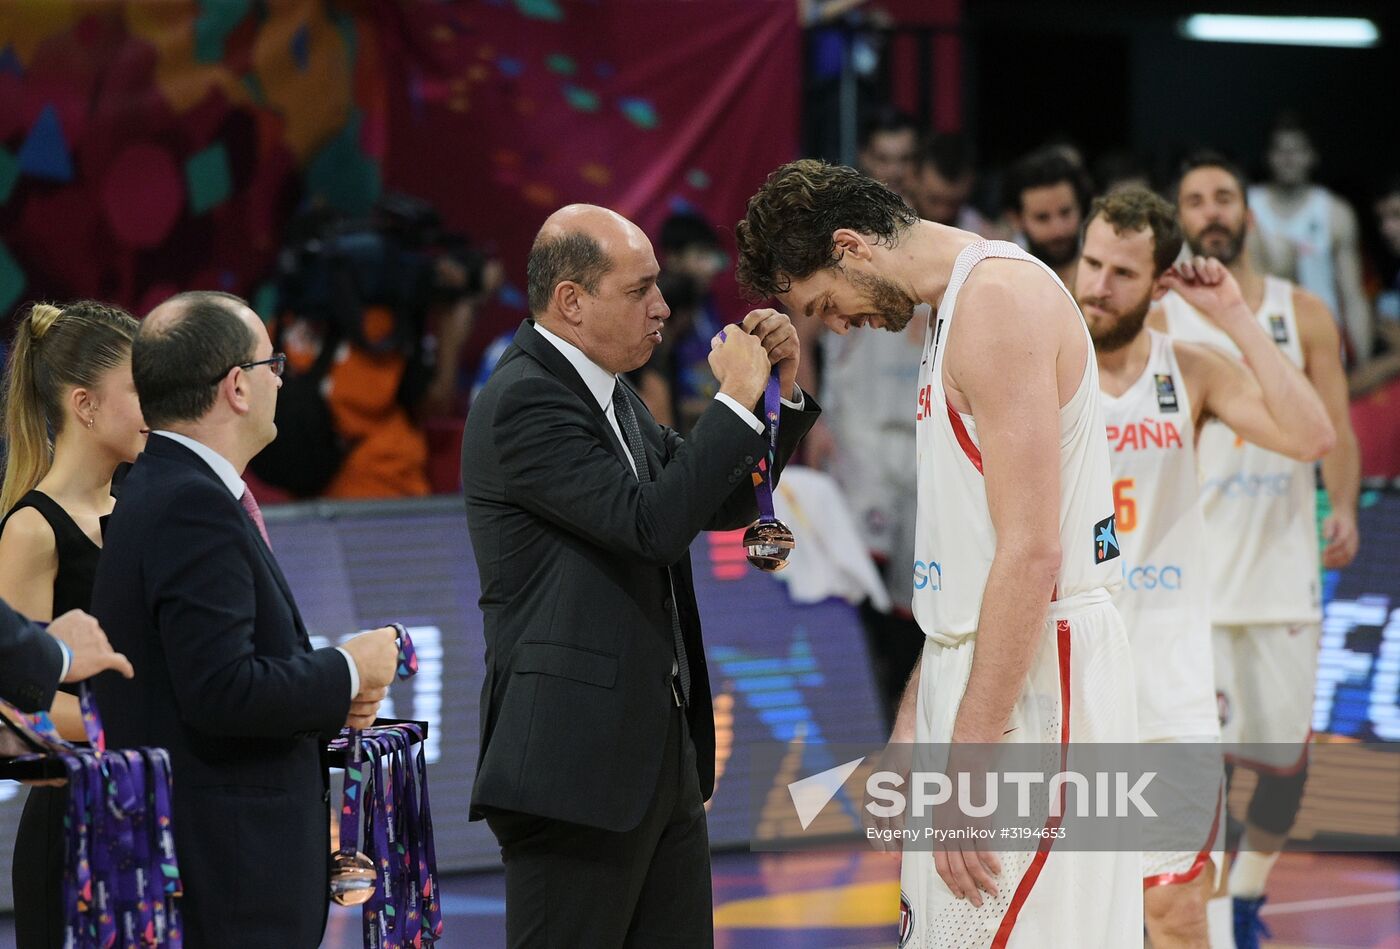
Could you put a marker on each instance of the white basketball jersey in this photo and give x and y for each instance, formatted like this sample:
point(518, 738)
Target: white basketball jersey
point(1165, 597)
point(1260, 507)
point(954, 538)
point(1309, 231)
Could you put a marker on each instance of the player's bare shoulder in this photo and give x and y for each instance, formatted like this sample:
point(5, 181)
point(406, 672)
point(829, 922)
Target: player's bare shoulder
point(1010, 312)
point(1016, 293)
point(1309, 309)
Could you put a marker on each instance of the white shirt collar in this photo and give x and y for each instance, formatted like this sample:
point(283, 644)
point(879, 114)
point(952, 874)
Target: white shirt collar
point(220, 465)
point(600, 382)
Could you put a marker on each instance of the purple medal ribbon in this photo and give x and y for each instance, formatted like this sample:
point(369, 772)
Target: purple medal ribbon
point(395, 876)
point(763, 471)
point(768, 541)
point(121, 878)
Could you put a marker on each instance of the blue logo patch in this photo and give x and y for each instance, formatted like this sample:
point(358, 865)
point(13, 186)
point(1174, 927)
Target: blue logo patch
point(1106, 540)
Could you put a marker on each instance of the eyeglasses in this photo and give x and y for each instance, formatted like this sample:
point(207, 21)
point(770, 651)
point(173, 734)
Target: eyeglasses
point(277, 363)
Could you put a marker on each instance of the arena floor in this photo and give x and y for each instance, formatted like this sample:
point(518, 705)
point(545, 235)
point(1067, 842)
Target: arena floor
point(848, 901)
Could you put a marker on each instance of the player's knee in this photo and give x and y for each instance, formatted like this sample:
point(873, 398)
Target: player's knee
point(1276, 800)
point(1177, 912)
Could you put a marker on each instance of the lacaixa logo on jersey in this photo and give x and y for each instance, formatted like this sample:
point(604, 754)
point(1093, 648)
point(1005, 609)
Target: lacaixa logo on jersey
point(928, 575)
point(1106, 540)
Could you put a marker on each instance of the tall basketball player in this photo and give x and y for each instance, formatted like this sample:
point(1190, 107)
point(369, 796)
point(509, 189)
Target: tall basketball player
point(1156, 393)
point(1014, 524)
point(1260, 511)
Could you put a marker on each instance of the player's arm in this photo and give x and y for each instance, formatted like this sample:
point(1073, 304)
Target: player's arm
point(1341, 467)
point(1268, 400)
point(1002, 358)
point(1351, 296)
point(28, 567)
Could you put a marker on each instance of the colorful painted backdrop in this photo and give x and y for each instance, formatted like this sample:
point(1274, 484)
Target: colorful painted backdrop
point(154, 145)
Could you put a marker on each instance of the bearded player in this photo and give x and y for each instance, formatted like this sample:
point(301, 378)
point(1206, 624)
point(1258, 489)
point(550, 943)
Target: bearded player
point(1261, 531)
point(1014, 528)
point(1156, 394)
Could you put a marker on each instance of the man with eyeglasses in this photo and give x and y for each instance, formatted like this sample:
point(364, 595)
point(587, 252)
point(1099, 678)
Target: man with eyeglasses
point(226, 677)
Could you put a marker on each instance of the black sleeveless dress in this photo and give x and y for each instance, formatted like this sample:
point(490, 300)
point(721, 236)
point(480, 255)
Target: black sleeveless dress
point(37, 873)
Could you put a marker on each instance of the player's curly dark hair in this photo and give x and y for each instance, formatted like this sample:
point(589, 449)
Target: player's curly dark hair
point(786, 231)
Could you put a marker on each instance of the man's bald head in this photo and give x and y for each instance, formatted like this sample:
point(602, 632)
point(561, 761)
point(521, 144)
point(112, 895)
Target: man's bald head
point(183, 344)
point(577, 243)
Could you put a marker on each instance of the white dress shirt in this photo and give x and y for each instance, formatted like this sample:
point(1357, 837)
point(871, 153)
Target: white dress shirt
point(235, 484)
point(601, 383)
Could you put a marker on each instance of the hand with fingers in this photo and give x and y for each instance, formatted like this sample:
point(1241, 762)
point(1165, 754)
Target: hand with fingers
point(966, 864)
point(364, 708)
point(740, 364)
point(885, 823)
point(1342, 539)
point(91, 651)
point(1207, 285)
point(376, 655)
point(779, 338)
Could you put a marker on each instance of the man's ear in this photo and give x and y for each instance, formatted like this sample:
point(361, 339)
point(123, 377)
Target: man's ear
point(851, 244)
point(568, 301)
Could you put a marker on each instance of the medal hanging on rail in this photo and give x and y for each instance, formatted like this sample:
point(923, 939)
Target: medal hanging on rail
point(394, 877)
point(121, 881)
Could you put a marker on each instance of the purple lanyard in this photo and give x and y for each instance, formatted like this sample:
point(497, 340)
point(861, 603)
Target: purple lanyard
point(396, 873)
point(763, 471)
point(768, 541)
point(121, 878)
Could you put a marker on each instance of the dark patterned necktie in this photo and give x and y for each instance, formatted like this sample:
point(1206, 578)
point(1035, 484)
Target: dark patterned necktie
point(627, 421)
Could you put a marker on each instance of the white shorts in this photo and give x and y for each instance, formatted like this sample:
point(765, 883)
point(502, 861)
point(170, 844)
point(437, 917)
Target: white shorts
point(1265, 682)
point(1166, 867)
point(1079, 689)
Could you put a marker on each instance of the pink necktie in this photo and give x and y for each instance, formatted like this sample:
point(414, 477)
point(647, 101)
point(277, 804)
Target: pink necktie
point(250, 505)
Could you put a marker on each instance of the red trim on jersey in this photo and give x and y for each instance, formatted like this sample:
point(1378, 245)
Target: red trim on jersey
point(1259, 767)
point(1042, 853)
point(969, 447)
point(1202, 858)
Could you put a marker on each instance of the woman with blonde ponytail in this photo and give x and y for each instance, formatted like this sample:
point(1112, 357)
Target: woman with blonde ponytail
point(71, 417)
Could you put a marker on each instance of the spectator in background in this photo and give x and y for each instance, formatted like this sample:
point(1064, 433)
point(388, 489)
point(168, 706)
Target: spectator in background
point(1046, 193)
point(943, 181)
point(1385, 363)
point(889, 144)
point(1309, 235)
point(677, 383)
point(1388, 220)
point(373, 317)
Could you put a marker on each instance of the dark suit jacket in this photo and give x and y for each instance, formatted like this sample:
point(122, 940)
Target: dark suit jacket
point(30, 661)
point(226, 679)
point(572, 553)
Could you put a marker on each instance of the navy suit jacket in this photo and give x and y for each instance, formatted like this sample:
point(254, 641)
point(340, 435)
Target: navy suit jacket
point(226, 679)
point(30, 661)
